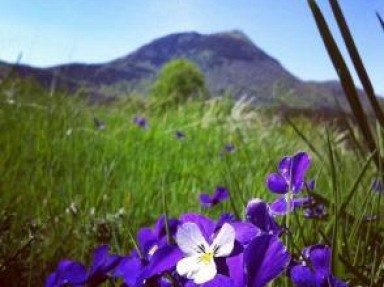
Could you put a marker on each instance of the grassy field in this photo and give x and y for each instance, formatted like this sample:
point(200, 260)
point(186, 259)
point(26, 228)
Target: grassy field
point(67, 184)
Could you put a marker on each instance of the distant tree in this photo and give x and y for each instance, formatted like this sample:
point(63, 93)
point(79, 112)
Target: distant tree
point(178, 81)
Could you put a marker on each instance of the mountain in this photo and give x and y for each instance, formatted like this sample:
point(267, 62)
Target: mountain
point(230, 61)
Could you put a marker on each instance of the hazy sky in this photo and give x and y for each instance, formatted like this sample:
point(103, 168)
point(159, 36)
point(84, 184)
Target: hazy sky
point(50, 32)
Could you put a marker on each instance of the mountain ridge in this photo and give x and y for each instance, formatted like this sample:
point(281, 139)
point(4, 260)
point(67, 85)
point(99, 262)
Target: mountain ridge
point(231, 62)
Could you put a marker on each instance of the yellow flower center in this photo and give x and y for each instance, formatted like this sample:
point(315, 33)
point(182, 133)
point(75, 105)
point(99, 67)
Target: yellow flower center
point(207, 257)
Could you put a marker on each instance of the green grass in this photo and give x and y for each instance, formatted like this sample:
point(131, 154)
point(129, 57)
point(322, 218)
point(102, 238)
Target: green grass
point(53, 157)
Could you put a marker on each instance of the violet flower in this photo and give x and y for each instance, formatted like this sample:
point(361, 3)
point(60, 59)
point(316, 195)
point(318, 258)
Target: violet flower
point(378, 185)
point(258, 213)
point(316, 210)
point(318, 272)
point(227, 149)
point(71, 273)
point(288, 182)
point(102, 265)
point(68, 273)
point(141, 122)
point(220, 194)
point(180, 135)
point(199, 261)
point(256, 258)
point(154, 257)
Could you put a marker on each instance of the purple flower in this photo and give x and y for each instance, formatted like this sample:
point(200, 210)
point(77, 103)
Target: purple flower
point(220, 194)
point(318, 272)
point(265, 259)
point(258, 213)
point(288, 182)
point(68, 273)
point(199, 262)
point(179, 135)
point(141, 122)
point(154, 257)
point(378, 185)
point(102, 264)
point(316, 210)
point(75, 274)
point(151, 239)
point(227, 149)
point(256, 258)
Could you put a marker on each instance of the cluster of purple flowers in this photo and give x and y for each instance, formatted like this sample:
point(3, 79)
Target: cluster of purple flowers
point(195, 250)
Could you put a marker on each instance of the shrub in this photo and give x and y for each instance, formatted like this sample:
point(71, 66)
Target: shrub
point(178, 81)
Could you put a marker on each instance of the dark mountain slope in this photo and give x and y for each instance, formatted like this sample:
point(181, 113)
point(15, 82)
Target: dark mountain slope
point(231, 62)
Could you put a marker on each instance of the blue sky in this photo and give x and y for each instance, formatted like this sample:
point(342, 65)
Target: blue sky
point(50, 32)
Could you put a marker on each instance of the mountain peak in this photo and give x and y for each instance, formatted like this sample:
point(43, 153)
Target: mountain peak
point(235, 34)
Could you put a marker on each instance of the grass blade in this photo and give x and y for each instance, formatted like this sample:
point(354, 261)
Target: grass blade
point(345, 77)
point(380, 20)
point(356, 60)
point(304, 138)
point(355, 184)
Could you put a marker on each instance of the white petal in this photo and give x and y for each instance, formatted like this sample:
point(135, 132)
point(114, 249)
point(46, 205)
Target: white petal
point(205, 273)
point(188, 266)
point(224, 241)
point(189, 238)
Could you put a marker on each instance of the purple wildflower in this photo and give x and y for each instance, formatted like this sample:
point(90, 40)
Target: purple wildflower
point(318, 273)
point(288, 182)
point(258, 213)
point(68, 273)
point(154, 257)
point(75, 274)
point(141, 122)
point(378, 185)
point(179, 135)
point(220, 194)
point(316, 210)
point(241, 254)
point(229, 148)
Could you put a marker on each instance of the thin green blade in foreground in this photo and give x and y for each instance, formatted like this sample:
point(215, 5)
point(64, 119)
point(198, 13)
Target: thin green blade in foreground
point(356, 60)
point(345, 77)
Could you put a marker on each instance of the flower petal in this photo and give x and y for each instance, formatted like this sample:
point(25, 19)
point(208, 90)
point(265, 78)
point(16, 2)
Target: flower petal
point(189, 238)
point(236, 269)
point(258, 213)
point(245, 232)
point(206, 225)
point(320, 257)
point(221, 193)
point(299, 167)
point(192, 268)
point(299, 202)
point(277, 184)
point(265, 258)
point(205, 273)
point(68, 272)
point(129, 269)
point(285, 168)
point(205, 200)
point(224, 241)
point(163, 260)
point(219, 281)
point(188, 266)
point(302, 276)
point(280, 206)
